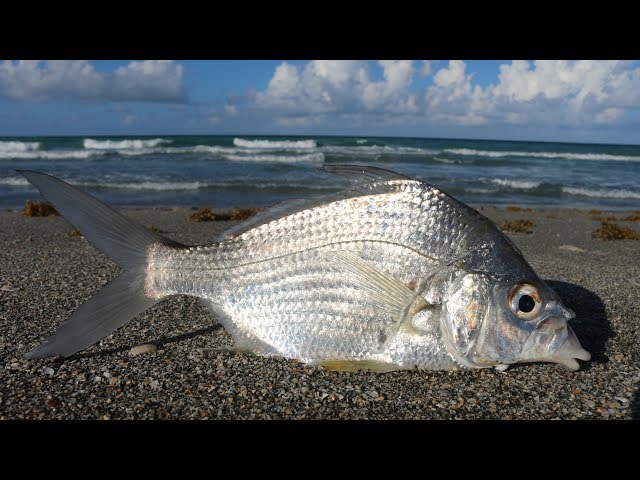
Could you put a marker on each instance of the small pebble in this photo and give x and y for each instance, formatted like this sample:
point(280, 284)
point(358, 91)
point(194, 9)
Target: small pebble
point(142, 349)
point(49, 371)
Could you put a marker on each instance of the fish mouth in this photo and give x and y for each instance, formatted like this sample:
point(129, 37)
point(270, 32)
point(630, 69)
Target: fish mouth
point(554, 341)
point(570, 350)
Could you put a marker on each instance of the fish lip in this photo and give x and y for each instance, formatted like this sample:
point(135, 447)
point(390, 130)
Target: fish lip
point(553, 340)
point(570, 350)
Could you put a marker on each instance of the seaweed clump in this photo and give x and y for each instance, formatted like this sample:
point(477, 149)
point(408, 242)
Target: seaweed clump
point(203, 215)
point(612, 231)
point(38, 209)
point(518, 209)
point(208, 215)
point(243, 213)
point(633, 217)
point(516, 226)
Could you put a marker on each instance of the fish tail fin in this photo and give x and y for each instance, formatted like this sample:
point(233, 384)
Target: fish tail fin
point(124, 241)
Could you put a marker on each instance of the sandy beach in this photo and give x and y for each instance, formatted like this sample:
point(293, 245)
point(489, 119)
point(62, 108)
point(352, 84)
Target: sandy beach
point(46, 274)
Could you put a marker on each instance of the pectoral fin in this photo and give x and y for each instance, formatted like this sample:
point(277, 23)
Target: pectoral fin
point(382, 289)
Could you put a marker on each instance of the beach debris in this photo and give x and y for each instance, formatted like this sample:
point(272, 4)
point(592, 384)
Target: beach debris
point(207, 214)
point(512, 208)
point(152, 228)
point(243, 213)
point(203, 215)
point(571, 248)
point(142, 349)
point(516, 226)
point(74, 233)
point(51, 403)
point(613, 231)
point(633, 217)
point(38, 209)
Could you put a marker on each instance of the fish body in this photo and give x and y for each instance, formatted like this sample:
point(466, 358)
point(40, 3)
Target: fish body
point(391, 273)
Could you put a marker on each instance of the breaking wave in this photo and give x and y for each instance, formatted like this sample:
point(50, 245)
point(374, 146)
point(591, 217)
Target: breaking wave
point(14, 182)
point(275, 144)
point(135, 144)
point(520, 153)
point(377, 150)
point(519, 184)
point(15, 147)
point(601, 193)
point(48, 154)
point(310, 157)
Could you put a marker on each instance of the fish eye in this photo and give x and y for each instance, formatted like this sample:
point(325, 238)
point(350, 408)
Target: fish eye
point(524, 301)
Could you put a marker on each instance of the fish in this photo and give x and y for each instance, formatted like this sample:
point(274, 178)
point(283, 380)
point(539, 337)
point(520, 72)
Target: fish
point(390, 273)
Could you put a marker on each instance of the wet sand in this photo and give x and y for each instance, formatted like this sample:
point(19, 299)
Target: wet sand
point(45, 274)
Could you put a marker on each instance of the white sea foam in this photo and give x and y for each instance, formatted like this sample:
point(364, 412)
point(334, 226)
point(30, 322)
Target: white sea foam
point(444, 160)
point(48, 154)
point(15, 147)
point(601, 193)
point(14, 182)
point(520, 184)
point(135, 144)
point(376, 150)
point(361, 141)
point(275, 144)
point(310, 157)
point(567, 155)
point(159, 186)
point(480, 190)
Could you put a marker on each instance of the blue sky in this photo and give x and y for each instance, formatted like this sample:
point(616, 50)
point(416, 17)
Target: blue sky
point(583, 101)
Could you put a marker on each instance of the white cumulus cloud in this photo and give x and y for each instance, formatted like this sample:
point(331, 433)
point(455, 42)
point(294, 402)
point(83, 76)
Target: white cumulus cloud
point(143, 81)
point(543, 92)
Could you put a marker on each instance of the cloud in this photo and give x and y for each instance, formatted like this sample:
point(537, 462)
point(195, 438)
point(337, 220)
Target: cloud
point(140, 81)
point(544, 93)
point(339, 86)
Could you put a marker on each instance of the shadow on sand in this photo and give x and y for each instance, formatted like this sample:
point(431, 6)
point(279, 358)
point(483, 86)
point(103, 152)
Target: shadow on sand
point(160, 342)
point(591, 325)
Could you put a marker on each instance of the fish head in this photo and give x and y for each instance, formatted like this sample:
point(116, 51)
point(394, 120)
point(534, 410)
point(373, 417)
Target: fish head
point(498, 322)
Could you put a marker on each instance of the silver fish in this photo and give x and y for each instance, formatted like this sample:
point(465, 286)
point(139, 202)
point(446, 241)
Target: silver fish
point(390, 273)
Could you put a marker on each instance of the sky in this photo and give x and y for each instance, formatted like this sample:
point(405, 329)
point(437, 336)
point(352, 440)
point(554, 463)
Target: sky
point(544, 100)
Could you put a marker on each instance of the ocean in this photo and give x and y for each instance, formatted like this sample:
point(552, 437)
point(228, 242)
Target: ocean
point(225, 171)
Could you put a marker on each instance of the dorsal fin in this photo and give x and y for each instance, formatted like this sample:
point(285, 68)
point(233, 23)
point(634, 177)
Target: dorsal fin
point(364, 181)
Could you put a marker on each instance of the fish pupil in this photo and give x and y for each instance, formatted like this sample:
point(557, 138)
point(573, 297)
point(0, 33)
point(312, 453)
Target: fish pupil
point(526, 303)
